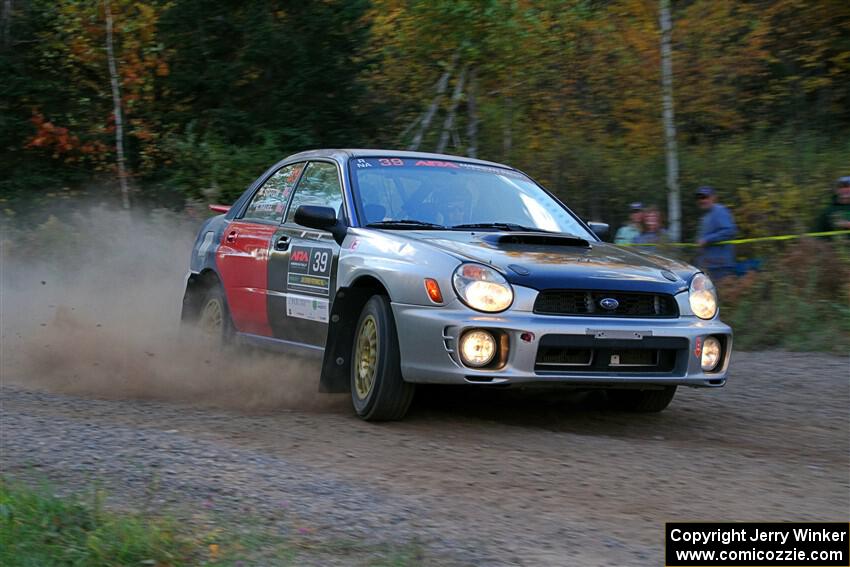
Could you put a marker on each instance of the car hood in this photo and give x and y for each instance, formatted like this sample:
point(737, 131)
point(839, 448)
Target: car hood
point(556, 262)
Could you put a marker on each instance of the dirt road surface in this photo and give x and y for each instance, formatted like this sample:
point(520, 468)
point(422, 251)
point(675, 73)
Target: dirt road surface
point(471, 477)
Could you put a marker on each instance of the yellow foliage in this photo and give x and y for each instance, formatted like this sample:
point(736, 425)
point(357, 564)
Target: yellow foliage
point(773, 208)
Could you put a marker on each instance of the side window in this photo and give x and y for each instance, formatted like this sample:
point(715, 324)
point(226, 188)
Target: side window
point(269, 201)
point(319, 186)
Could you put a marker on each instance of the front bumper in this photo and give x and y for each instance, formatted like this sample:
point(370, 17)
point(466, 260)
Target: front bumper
point(428, 341)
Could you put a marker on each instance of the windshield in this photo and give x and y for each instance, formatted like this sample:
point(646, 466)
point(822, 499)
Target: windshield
point(451, 193)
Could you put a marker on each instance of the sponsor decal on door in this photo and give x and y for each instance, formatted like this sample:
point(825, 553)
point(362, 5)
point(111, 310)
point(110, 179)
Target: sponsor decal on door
point(310, 308)
point(310, 270)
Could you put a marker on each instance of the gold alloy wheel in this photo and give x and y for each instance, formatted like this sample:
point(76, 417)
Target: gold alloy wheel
point(212, 318)
point(366, 357)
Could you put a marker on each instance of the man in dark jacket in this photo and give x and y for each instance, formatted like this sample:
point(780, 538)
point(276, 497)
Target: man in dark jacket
point(837, 215)
point(715, 226)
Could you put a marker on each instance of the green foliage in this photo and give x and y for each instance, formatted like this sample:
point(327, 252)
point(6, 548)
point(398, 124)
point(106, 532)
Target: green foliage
point(207, 166)
point(250, 82)
point(801, 301)
point(776, 182)
point(28, 82)
point(263, 74)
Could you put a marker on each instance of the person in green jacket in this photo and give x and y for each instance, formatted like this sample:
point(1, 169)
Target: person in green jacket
point(837, 215)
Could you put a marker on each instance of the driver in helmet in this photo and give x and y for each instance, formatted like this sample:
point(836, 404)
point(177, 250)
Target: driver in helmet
point(453, 205)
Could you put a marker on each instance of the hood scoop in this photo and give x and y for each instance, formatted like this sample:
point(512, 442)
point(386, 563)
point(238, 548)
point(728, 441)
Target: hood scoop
point(534, 239)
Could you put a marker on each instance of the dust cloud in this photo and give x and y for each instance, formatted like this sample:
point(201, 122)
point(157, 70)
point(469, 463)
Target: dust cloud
point(90, 305)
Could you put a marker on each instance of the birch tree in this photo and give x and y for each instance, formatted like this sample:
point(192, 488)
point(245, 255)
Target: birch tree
point(674, 206)
point(448, 123)
point(428, 116)
point(472, 114)
point(116, 107)
point(5, 23)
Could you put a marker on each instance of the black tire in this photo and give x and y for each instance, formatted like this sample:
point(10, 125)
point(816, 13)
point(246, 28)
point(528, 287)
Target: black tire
point(218, 332)
point(642, 401)
point(378, 391)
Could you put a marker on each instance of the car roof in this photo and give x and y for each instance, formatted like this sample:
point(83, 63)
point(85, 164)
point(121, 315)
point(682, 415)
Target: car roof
point(342, 154)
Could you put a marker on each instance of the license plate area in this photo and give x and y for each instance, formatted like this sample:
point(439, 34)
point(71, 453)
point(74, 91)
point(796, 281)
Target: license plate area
point(609, 334)
point(634, 357)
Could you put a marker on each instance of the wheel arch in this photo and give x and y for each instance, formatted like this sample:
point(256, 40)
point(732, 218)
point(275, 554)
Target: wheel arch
point(197, 286)
point(347, 305)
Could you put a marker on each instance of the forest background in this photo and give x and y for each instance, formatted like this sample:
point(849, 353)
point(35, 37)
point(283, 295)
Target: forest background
point(211, 92)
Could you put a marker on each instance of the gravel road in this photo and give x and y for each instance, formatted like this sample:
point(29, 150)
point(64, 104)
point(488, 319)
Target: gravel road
point(471, 477)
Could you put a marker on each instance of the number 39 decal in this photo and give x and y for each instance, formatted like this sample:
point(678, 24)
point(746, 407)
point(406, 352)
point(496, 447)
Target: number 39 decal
point(320, 261)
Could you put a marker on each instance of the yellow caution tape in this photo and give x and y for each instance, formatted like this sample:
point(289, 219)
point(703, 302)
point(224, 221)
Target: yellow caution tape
point(743, 240)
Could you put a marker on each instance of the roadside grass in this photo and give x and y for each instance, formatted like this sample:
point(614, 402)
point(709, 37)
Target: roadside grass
point(39, 528)
point(799, 301)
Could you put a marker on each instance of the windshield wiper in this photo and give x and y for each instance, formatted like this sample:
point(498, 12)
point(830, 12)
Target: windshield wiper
point(506, 226)
point(405, 224)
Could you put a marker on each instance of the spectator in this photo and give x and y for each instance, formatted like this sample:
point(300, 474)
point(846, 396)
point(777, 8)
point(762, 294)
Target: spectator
point(653, 232)
point(837, 215)
point(627, 234)
point(715, 226)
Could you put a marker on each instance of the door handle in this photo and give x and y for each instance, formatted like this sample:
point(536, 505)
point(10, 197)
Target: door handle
point(231, 237)
point(282, 243)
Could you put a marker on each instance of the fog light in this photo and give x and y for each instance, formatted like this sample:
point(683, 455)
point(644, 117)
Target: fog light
point(477, 348)
point(710, 354)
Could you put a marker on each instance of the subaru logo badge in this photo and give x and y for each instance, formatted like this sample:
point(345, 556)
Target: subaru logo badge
point(609, 303)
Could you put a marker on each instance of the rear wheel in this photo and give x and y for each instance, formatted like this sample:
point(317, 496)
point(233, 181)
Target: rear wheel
point(214, 320)
point(378, 392)
point(642, 401)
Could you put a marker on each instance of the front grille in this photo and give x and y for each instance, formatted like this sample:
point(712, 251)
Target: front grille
point(570, 354)
point(589, 304)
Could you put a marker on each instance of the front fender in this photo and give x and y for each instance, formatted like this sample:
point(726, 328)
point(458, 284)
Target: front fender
point(401, 264)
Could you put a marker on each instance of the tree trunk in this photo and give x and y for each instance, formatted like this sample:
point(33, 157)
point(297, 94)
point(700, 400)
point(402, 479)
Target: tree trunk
point(409, 127)
point(116, 107)
point(507, 125)
point(442, 84)
point(674, 207)
point(456, 139)
point(448, 123)
point(5, 23)
point(472, 114)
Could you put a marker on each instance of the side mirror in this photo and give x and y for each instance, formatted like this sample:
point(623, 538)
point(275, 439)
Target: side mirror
point(600, 229)
point(321, 218)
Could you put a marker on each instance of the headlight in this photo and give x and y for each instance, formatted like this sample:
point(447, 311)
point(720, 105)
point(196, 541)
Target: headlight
point(482, 288)
point(703, 297)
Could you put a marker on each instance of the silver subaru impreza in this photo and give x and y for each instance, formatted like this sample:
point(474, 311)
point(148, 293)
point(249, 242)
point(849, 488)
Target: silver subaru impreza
point(403, 268)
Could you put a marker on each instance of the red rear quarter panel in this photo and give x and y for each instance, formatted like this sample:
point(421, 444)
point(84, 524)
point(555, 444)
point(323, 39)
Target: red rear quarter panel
point(243, 266)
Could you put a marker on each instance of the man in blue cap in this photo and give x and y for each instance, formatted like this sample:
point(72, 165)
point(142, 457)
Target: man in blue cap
point(715, 226)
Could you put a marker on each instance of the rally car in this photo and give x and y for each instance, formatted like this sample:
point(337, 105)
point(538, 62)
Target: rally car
point(404, 268)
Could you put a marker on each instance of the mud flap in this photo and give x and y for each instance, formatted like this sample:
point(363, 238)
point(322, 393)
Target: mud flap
point(345, 311)
point(192, 299)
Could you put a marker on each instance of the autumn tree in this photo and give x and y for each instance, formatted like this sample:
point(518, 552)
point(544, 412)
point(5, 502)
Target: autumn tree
point(570, 91)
